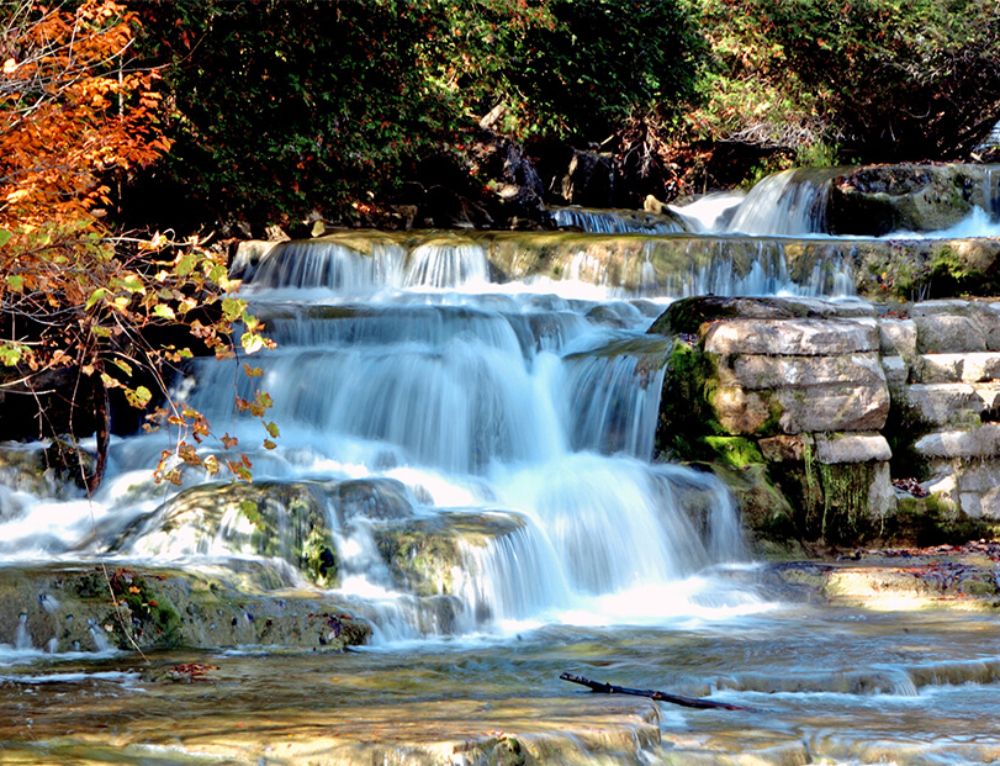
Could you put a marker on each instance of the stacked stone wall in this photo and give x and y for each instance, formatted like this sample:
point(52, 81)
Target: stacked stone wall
point(862, 423)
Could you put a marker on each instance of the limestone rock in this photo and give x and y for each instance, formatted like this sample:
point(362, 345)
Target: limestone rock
point(807, 337)
point(944, 404)
point(786, 448)
point(756, 372)
point(875, 200)
point(833, 408)
point(851, 448)
point(945, 333)
point(981, 442)
point(897, 337)
point(971, 367)
point(896, 370)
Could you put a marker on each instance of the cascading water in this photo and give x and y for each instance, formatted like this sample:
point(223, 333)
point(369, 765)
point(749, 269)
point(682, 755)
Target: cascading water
point(476, 405)
point(469, 447)
point(616, 222)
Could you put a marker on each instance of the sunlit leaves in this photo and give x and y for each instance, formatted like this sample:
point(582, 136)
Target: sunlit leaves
point(75, 117)
point(139, 397)
point(10, 354)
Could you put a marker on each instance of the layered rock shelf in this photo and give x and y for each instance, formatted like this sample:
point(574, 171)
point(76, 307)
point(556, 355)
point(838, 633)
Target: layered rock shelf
point(840, 422)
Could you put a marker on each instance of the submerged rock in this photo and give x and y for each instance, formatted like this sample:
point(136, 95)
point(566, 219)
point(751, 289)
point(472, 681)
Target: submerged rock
point(425, 554)
point(92, 608)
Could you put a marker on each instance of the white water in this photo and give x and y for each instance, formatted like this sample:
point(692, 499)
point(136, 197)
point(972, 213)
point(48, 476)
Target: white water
point(532, 400)
point(792, 203)
point(480, 399)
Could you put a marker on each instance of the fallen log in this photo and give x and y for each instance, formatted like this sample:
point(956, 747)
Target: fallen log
point(676, 699)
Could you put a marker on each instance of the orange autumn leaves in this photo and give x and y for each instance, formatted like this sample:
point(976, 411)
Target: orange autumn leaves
point(71, 112)
point(72, 119)
point(76, 119)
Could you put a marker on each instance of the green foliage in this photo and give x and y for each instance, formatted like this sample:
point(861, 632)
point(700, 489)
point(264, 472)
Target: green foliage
point(278, 108)
point(734, 451)
point(886, 78)
point(581, 69)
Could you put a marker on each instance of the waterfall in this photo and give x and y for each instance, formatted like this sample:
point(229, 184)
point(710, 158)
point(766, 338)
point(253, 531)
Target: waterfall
point(616, 222)
point(22, 640)
point(466, 452)
point(790, 203)
point(327, 264)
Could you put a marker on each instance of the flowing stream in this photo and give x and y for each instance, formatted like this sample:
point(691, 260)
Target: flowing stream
point(517, 419)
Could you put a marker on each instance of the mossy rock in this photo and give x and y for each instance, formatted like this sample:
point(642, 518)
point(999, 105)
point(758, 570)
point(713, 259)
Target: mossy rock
point(289, 520)
point(133, 606)
point(931, 520)
point(422, 554)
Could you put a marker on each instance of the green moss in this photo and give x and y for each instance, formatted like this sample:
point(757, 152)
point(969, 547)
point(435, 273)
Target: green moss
point(914, 275)
point(685, 411)
point(763, 507)
point(155, 622)
point(800, 482)
point(420, 558)
point(735, 451)
point(932, 520)
point(846, 515)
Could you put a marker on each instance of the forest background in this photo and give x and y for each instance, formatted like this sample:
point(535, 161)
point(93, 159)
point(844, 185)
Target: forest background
point(137, 137)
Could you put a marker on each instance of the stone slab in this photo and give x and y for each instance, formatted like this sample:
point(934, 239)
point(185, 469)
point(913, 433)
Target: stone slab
point(954, 333)
point(758, 372)
point(897, 371)
point(969, 367)
point(785, 448)
point(790, 337)
point(943, 404)
point(938, 307)
point(837, 408)
point(805, 410)
point(981, 442)
point(897, 337)
point(833, 449)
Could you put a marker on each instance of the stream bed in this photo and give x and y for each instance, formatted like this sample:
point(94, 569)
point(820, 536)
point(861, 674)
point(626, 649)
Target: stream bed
point(827, 685)
point(466, 466)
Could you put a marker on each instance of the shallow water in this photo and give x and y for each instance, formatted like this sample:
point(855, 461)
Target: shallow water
point(525, 409)
point(833, 685)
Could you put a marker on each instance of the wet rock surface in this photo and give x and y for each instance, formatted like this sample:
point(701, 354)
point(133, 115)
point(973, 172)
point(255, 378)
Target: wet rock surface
point(962, 577)
point(842, 410)
point(89, 608)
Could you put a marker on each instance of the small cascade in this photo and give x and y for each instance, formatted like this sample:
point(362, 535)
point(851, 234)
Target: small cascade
point(447, 265)
point(617, 221)
point(790, 203)
point(22, 640)
point(331, 265)
point(101, 643)
point(709, 213)
point(510, 579)
point(991, 191)
point(617, 396)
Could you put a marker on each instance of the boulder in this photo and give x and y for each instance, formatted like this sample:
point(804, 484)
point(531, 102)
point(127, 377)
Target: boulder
point(897, 337)
point(589, 180)
point(970, 367)
point(833, 448)
point(82, 608)
point(876, 200)
point(954, 404)
point(805, 337)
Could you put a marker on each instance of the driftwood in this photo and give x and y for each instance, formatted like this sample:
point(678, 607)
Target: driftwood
point(676, 699)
